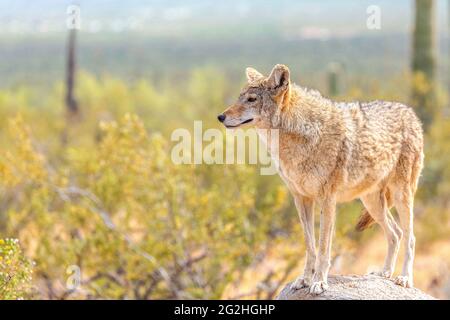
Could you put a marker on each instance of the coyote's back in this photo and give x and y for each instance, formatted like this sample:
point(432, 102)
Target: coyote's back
point(384, 147)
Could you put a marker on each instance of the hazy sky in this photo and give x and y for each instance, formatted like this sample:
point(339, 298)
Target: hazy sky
point(318, 17)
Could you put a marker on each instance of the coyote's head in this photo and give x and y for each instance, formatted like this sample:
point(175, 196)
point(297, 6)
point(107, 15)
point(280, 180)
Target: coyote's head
point(259, 99)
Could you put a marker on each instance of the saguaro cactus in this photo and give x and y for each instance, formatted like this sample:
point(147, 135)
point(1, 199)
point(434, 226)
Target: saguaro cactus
point(424, 60)
point(334, 75)
point(71, 103)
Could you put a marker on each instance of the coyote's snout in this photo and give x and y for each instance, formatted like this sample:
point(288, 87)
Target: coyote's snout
point(333, 152)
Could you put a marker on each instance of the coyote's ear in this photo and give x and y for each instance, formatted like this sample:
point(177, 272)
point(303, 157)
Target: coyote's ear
point(253, 75)
point(279, 78)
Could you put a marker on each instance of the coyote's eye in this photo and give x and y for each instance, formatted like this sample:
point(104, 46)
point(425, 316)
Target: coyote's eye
point(251, 99)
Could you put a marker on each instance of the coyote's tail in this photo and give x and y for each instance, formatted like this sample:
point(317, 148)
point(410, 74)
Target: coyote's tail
point(365, 221)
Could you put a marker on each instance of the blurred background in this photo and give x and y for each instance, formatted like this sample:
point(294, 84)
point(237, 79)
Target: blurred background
point(91, 205)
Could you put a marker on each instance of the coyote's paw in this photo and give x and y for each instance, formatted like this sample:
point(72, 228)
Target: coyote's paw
point(300, 283)
point(404, 281)
point(384, 273)
point(318, 287)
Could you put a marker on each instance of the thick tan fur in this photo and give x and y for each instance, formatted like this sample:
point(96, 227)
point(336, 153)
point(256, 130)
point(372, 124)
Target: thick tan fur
point(333, 152)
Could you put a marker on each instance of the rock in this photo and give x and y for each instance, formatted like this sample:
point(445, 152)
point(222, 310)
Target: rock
point(353, 287)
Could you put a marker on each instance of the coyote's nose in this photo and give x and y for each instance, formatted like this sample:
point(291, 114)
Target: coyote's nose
point(221, 117)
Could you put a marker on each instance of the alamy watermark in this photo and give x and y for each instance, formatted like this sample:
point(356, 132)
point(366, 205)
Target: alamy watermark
point(237, 146)
point(373, 21)
point(73, 20)
point(73, 280)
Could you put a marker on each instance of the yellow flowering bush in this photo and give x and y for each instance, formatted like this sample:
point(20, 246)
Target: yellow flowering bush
point(15, 271)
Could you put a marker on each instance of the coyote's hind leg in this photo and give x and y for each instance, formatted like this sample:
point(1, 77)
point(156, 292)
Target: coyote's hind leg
point(404, 204)
point(376, 205)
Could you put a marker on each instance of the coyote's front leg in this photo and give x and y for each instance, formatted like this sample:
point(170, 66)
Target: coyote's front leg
point(327, 218)
point(305, 208)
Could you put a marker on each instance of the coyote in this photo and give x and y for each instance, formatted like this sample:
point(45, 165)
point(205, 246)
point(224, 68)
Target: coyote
point(332, 152)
